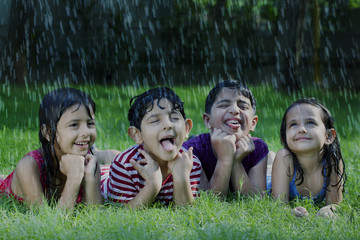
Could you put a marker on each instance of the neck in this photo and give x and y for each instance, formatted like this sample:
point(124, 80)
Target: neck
point(309, 162)
point(164, 169)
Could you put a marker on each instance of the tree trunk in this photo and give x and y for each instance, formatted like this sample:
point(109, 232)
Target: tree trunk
point(316, 28)
point(290, 42)
point(21, 24)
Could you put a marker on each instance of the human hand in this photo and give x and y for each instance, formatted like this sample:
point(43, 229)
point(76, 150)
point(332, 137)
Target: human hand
point(223, 144)
point(182, 164)
point(300, 212)
point(148, 169)
point(90, 165)
point(72, 165)
point(327, 211)
point(244, 146)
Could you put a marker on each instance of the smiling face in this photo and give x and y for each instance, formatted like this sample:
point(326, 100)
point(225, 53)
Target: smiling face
point(163, 131)
point(76, 131)
point(305, 130)
point(232, 113)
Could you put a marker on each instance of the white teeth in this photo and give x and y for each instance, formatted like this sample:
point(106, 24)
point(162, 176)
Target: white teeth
point(81, 143)
point(233, 122)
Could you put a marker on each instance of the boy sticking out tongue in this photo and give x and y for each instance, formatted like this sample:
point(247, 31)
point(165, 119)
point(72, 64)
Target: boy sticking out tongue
point(157, 168)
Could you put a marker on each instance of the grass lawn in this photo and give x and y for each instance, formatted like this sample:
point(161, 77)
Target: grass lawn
point(210, 217)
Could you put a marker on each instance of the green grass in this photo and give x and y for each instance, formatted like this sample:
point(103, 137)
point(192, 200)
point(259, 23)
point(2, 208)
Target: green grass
point(210, 217)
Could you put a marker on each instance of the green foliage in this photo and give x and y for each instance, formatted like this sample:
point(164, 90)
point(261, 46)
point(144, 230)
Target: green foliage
point(210, 217)
point(354, 3)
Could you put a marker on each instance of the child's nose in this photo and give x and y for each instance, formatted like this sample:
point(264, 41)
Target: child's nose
point(167, 123)
point(234, 109)
point(84, 131)
point(302, 129)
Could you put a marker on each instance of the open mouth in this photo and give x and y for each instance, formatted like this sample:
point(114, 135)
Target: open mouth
point(82, 144)
point(168, 143)
point(233, 123)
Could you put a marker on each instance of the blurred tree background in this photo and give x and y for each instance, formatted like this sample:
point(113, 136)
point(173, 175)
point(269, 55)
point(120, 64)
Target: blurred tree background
point(287, 43)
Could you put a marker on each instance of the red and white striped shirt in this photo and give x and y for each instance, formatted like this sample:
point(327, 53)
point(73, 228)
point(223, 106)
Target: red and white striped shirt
point(124, 182)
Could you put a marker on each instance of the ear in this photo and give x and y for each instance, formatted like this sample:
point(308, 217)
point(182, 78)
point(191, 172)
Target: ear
point(253, 123)
point(188, 127)
point(330, 136)
point(206, 119)
point(135, 134)
point(45, 132)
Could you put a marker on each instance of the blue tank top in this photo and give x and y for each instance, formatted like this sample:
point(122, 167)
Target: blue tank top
point(293, 193)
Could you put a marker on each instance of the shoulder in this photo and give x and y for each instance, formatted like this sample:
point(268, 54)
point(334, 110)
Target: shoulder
point(201, 145)
point(259, 144)
point(27, 164)
point(197, 140)
point(260, 152)
point(284, 157)
point(125, 156)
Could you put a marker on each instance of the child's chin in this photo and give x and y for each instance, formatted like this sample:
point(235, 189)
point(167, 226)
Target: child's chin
point(168, 156)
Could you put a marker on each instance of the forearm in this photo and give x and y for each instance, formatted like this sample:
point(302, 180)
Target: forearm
point(92, 188)
point(241, 181)
point(182, 191)
point(145, 197)
point(106, 156)
point(220, 179)
point(70, 193)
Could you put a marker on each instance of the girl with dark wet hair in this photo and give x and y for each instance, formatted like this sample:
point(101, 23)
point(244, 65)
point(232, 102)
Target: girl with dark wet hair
point(62, 171)
point(310, 165)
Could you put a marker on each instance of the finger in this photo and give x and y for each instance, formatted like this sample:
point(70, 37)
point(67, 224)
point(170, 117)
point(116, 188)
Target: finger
point(88, 158)
point(145, 154)
point(190, 153)
point(142, 161)
point(135, 165)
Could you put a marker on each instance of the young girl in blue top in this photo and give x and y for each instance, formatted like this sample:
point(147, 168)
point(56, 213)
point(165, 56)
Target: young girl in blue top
point(310, 165)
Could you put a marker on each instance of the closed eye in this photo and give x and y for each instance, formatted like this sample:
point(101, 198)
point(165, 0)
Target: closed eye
point(223, 106)
point(154, 121)
point(244, 107)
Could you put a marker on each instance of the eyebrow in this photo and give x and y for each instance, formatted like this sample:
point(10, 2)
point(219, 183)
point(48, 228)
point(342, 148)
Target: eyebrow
point(223, 101)
point(244, 102)
point(307, 119)
point(79, 120)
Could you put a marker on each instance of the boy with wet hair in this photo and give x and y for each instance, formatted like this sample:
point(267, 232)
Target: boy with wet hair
point(157, 168)
point(228, 154)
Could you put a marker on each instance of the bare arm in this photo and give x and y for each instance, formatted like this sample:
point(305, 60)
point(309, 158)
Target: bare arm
point(91, 181)
point(72, 166)
point(333, 196)
point(280, 178)
point(252, 183)
point(335, 193)
point(150, 171)
point(26, 182)
point(180, 169)
point(105, 156)
point(224, 148)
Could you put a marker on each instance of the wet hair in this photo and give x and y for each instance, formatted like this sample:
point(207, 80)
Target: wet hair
point(232, 84)
point(52, 107)
point(330, 153)
point(140, 104)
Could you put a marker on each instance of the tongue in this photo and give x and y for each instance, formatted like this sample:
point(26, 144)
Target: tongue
point(167, 145)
